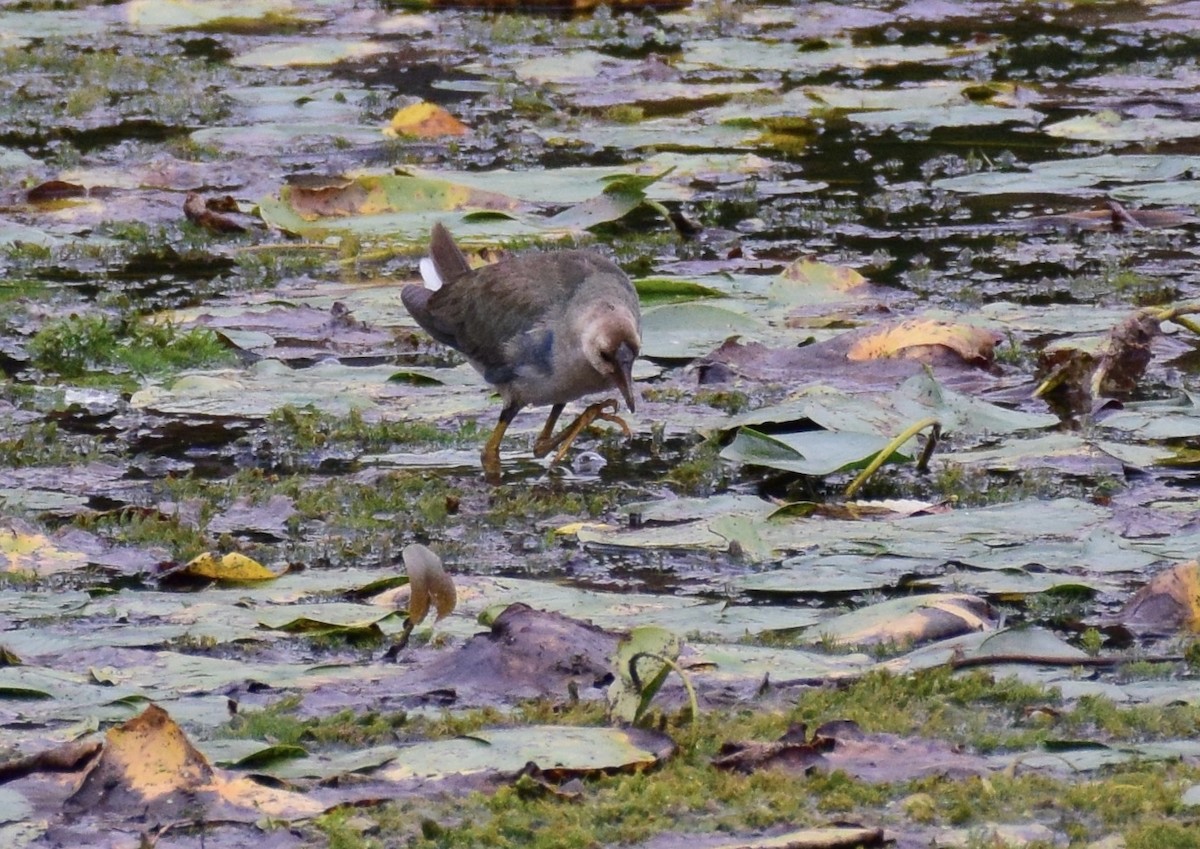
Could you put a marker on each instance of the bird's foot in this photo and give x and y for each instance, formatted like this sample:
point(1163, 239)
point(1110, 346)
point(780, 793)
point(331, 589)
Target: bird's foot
point(604, 410)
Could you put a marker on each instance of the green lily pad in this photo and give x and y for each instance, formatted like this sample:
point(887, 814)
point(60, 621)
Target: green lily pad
point(813, 452)
point(688, 330)
point(564, 749)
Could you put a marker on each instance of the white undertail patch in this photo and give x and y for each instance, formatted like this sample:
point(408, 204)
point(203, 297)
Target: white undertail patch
point(429, 274)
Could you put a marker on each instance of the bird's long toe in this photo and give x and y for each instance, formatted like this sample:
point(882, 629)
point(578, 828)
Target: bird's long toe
point(605, 410)
point(615, 419)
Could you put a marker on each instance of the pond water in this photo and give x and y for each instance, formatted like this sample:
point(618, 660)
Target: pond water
point(844, 220)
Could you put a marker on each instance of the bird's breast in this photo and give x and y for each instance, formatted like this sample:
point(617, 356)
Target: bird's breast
point(570, 376)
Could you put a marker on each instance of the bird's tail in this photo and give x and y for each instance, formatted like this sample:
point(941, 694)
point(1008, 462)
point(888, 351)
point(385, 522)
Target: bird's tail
point(446, 261)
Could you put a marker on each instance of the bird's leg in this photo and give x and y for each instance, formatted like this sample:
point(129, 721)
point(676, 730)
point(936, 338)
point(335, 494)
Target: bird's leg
point(605, 410)
point(545, 442)
point(490, 456)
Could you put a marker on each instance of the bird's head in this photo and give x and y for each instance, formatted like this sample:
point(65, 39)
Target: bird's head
point(611, 342)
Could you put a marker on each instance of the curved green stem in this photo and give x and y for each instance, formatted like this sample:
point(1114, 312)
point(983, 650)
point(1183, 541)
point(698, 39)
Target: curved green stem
point(693, 702)
point(889, 449)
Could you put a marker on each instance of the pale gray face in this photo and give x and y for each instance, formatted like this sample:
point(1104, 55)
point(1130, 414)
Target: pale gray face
point(612, 347)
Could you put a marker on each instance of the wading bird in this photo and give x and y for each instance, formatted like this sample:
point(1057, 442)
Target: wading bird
point(543, 328)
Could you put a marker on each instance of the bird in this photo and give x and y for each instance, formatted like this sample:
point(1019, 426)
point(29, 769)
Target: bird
point(542, 328)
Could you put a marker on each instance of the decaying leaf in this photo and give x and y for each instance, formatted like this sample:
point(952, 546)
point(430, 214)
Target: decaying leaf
point(1126, 356)
point(919, 338)
point(232, 567)
point(66, 758)
point(825, 837)
point(145, 760)
point(1079, 371)
point(842, 745)
point(526, 653)
point(149, 768)
point(213, 214)
point(1113, 217)
point(429, 583)
point(798, 280)
point(1168, 604)
point(560, 5)
point(425, 120)
point(244, 517)
point(909, 621)
point(35, 553)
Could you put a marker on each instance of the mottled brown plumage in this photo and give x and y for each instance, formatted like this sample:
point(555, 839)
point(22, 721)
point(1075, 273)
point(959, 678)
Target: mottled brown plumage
point(543, 328)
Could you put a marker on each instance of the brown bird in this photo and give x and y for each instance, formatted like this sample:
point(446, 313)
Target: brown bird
point(543, 328)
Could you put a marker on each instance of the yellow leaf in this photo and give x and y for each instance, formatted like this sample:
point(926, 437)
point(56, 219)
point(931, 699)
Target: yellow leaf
point(811, 272)
point(148, 756)
point(573, 528)
point(912, 338)
point(232, 567)
point(35, 553)
point(148, 767)
point(426, 121)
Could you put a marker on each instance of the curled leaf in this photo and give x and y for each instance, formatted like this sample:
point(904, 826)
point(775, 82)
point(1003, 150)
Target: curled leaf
point(232, 567)
point(425, 120)
point(428, 582)
point(642, 662)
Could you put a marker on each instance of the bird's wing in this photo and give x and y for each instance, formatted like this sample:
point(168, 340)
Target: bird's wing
point(487, 310)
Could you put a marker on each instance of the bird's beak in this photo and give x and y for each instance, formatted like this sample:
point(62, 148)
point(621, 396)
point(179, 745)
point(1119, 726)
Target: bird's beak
point(623, 376)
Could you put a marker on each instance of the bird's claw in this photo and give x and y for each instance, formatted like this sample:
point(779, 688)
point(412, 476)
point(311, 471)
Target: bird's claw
point(605, 410)
point(613, 417)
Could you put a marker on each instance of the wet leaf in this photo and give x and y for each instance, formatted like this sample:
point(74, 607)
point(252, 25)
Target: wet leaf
point(215, 15)
point(687, 330)
point(908, 338)
point(806, 279)
point(1070, 175)
point(907, 621)
point(266, 520)
point(841, 745)
point(1168, 604)
point(642, 663)
point(148, 763)
point(622, 194)
point(564, 751)
point(34, 553)
point(813, 452)
point(425, 120)
point(147, 758)
point(313, 52)
point(1109, 126)
point(661, 290)
point(232, 567)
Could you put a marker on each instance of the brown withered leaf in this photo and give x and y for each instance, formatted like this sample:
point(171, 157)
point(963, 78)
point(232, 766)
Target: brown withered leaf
point(55, 190)
point(1169, 604)
point(1113, 218)
point(1079, 372)
point(842, 745)
point(212, 214)
point(1126, 356)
